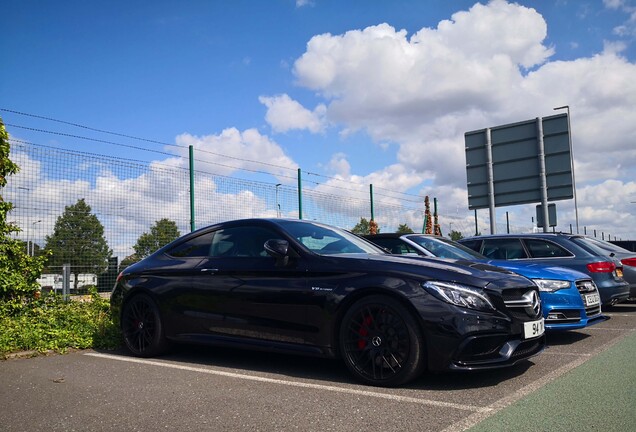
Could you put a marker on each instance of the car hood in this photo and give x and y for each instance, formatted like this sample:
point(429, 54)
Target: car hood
point(540, 271)
point(446, 269)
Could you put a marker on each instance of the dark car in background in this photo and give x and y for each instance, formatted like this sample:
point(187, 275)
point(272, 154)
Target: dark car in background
point(569, 298)
point(558, 249)
point(301, 287)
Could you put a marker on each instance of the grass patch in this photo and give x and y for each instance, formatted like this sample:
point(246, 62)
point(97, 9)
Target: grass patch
point(51, 323)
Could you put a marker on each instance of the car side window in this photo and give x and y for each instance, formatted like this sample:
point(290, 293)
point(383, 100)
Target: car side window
point(195, 247)
point(241, 242)
point(504, 249)
point(545, 249)
point(395, 246)
point(473, 244)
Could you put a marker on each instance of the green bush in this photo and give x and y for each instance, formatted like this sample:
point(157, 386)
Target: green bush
point(18, 270)
point(30, 320)
point(50, 323)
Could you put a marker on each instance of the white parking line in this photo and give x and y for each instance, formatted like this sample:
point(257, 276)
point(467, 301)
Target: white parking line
point(391, 397)
point(557, 353)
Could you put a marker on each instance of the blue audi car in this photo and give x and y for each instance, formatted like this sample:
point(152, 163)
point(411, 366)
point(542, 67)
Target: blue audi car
point(570, 299)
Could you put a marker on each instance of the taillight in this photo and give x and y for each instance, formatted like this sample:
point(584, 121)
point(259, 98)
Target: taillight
point(601, 267)
point(629, 262)
point(119, 276)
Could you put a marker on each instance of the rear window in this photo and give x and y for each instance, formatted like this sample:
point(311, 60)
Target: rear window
point(504, 249)
point(195, 247)
point(596, 246)
point(546, 249)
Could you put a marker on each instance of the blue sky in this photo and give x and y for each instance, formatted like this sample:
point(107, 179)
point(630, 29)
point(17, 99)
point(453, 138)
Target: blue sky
point(362, 91)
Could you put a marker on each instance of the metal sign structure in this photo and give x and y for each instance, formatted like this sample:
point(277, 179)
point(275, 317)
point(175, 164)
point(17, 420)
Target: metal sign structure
point(519, 163)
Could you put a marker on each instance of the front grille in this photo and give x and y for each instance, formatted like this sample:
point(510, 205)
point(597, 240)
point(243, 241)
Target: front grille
point(522, 303)
point(585, 287)
point(593, 310)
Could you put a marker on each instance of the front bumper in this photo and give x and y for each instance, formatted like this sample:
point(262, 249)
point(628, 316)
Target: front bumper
point(464, 339)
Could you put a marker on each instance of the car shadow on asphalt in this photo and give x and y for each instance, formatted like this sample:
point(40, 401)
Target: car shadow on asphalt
point(327, 371)
point(628, 306)
point(564, 337)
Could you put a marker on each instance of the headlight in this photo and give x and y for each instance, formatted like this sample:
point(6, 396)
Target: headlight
point(551, 285)
point(459, 295)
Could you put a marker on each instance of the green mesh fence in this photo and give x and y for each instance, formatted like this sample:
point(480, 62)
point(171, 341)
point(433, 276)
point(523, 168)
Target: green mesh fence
point(100, 213)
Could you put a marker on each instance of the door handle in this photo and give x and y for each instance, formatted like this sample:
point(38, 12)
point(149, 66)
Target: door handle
point(209, 271)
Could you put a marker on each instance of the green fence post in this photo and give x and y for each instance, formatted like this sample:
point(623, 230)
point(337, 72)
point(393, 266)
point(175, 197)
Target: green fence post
point(300, 195)
point(192, 224)
point(371, 194)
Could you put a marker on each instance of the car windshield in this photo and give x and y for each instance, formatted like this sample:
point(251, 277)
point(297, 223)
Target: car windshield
point(598, 246)
point(325, 240)
point(445, 248)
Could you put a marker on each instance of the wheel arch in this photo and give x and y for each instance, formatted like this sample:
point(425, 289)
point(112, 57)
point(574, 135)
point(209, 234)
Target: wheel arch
point(360, 294)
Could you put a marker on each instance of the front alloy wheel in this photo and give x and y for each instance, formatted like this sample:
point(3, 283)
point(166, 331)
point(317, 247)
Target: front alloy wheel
point(381, 342)
point(142, 328)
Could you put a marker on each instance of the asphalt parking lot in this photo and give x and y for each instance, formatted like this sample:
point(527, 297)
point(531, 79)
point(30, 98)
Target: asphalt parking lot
point(584, 380)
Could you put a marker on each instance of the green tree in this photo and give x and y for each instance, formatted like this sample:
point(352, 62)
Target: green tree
point(78, 239)
point(18, 270)
point(404, 229)
point(129, 260)
point(161, 233)
point(456, 235)
point(362, 227)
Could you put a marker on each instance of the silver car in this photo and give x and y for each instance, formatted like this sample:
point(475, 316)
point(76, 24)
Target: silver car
point(627, 258)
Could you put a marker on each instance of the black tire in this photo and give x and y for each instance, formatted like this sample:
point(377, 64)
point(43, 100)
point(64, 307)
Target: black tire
point(381, 343)
point(142, 328)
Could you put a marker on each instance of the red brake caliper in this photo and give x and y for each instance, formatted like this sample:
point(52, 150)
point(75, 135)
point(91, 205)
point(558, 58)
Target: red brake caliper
point(364, 332)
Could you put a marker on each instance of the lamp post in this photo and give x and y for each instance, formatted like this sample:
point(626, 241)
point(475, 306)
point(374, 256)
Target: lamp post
point(31, 248)
point(576, 208)
point(277, 204)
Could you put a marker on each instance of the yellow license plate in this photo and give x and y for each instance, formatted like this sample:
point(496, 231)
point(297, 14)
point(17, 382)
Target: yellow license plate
point(619, 273)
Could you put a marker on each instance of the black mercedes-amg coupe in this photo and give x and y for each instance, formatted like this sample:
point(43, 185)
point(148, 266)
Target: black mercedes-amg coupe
point(296, 286)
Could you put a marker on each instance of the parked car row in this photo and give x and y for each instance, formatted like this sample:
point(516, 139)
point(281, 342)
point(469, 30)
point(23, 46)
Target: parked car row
point(612, 268)
point(570, 298)
point(390, 306)
point(307, 288)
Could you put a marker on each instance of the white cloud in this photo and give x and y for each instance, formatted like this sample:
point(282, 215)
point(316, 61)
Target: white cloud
point(628, 28)
point(232, 150)
point(484, 67)
point(285, 114)
point(303, 3)
point(339, 166)
point(613, 4)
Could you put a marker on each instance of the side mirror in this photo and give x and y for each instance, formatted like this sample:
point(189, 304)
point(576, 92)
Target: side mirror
point(279, 250)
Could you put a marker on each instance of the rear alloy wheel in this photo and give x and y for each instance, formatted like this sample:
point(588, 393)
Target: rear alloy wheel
point(142, 328)
point(381, 342)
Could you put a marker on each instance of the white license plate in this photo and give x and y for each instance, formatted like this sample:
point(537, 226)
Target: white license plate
point(533, 329)
point(592, 299)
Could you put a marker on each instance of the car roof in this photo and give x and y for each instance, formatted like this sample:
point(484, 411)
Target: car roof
point(395, 235)
point(541, 234)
